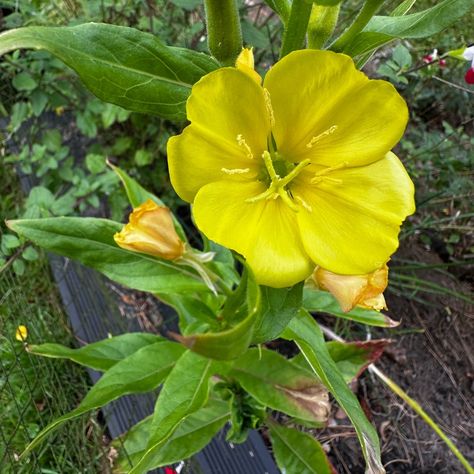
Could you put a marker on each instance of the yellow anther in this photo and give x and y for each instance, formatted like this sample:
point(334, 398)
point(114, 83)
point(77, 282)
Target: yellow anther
point(235, 170)
point(319, 137)
point(268, 103)
point(241, 141)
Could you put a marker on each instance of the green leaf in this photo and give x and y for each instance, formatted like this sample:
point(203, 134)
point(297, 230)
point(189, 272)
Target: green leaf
point(240, 313)
point(10, 241)
point(24, 82)
point(382, 29)
point(30, 254)
point(91, 242)
point(297, 452)
point(38, 102)
point(101, 355)
point(19, 266)
point(275, 382)
point(279, 305)
point(282, 7)
point(184, 392)
point(309, 338)
point(247, 413)
point(252, 35)
point(402, 56)
point(137, 195)
point(327, 3)
point(323, 302)
point(124, 66)
point(351, 358)
point(20, 112)
point(187, 4)
point(95, 163)
point(143, 157)
point(403, 8)
point(140, 372)
point(191, 436)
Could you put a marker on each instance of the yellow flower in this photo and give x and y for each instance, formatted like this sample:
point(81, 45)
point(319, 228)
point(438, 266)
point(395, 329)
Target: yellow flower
point(21, 333)
point(151, 231)
point(297, 172)
point(354, 290)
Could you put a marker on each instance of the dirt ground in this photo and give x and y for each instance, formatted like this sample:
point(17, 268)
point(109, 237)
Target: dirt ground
point(434, 363)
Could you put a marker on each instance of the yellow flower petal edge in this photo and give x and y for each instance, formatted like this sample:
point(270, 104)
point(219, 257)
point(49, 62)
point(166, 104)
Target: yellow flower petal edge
point(296, 173)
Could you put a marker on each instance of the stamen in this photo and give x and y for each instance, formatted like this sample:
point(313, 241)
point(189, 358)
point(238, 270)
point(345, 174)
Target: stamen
point(268, 103)
point(304, 203)
point(321, 175)
point(318, 179)
point(235, 170)
point(241, 141)
point(319, 137)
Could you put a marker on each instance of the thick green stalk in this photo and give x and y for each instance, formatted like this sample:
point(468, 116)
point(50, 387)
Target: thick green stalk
point(295, 31)
point(224, 34)
point(321, 26)
point(368, 11)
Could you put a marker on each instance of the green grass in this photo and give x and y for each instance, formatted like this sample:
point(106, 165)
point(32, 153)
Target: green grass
point(33, 390)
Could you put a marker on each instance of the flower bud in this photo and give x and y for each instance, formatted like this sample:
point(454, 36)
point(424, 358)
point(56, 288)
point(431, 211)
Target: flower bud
point(245, 63)
point(354, 290)
point(151, 230)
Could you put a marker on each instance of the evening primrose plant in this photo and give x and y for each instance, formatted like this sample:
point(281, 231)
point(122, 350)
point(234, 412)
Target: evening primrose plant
point(298, 198)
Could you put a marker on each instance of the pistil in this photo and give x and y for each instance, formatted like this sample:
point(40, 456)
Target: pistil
point(278, 183)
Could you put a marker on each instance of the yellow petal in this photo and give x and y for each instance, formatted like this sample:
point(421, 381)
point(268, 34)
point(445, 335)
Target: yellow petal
point(229, 128)
point(327, 110)
point(196, 158)
point(265, 232)
point(355, 215)
point(151, 231)
point(21, 333)
point(245, 63)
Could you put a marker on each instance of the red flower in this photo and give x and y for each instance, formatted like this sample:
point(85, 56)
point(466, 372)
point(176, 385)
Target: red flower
point(469, 77)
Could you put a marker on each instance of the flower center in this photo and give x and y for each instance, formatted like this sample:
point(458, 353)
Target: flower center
point(278, 174)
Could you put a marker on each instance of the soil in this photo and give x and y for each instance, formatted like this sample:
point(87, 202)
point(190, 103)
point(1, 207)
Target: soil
point(434, 363)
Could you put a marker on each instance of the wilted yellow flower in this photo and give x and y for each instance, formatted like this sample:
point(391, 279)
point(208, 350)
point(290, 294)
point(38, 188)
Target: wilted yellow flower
point(297, 172)
point(151, 230)
point(355, 290)
point(21, 333)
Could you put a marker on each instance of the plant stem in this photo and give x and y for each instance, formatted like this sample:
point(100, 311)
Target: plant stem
point(409, 401)
point(368, 11)
point(224, 34)
point(321, 26)
point(295, 30)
